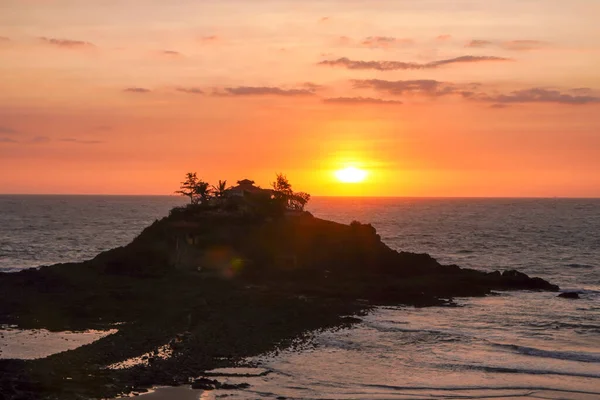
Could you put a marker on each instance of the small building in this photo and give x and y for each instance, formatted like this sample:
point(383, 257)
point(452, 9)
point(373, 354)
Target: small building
point(246, 187)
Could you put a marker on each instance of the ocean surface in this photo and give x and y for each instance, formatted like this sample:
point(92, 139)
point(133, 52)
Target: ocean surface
point(515, 345)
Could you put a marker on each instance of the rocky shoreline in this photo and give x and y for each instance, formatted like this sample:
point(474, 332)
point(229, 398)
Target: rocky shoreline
point(214, 288)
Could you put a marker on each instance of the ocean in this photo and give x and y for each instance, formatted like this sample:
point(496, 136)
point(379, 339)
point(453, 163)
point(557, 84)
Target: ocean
point(514, 345)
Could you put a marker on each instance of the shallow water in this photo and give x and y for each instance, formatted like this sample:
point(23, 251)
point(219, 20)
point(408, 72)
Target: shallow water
point(29, 344)
point(518, 344)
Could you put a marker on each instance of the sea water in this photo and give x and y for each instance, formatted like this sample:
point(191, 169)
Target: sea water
point(515, 345)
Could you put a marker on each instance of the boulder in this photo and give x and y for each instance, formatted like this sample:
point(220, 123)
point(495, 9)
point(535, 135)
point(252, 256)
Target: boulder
point(569, 295)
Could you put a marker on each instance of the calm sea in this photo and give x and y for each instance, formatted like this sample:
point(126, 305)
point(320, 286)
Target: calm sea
point(519, 344)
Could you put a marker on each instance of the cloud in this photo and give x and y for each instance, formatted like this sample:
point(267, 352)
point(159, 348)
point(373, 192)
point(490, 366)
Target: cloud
point(479, 43)
point(324, 20)
point(209, 39)
point(384, 42)
point(582, 90)
point(266, 91)
point(8, 131)
point(399, 65)
point(66, 43)
point(443, 38)
point(190, 90)
point(40, 139)
point(523, 45)
point(137, 90)
point(344, 41)
point(171, 53)
point(360, 100)
point(540, 95)
point(474, 92)
point(426, 87)
point(7, 140)
point(313, 87)
point(4, 39)
point(512, 45)
point(79, 141)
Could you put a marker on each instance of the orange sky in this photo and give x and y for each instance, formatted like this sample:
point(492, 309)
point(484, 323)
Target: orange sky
point(432, 97)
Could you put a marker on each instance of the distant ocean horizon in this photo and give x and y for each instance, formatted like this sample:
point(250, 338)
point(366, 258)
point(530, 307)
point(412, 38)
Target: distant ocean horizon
point(511, 345)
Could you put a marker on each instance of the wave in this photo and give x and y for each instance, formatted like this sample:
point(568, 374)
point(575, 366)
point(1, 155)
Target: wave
point(580, 266)
point(488, 388)
point(560, 355)
point(511, 370)
point(424, 335)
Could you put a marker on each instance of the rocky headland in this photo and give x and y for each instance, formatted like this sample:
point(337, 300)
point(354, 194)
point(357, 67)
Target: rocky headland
point(210, 287)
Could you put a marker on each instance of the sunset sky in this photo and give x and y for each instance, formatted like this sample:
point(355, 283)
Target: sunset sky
point(430, 97)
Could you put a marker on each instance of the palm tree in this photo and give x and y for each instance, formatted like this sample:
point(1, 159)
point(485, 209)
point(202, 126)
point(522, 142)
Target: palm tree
point(221, 189)
point(202, 191)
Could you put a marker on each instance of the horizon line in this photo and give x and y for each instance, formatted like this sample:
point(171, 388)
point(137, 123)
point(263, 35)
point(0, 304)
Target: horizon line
point(313, 196)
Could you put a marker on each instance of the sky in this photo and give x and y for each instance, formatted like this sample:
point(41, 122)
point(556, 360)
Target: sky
point(495, 98)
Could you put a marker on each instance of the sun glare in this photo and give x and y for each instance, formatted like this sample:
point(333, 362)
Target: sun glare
point(351, 175)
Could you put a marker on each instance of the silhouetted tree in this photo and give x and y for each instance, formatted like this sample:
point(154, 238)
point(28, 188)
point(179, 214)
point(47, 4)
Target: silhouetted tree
point(196, 189)
point(282, 192)
point(299, 200)
point(188, 187)
point(203, 192)
point(221, 189)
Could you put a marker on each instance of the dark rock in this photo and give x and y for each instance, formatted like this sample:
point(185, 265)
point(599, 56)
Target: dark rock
point(569, 295)
point(206, 384)
point(231, 386)
point(351, 320)
point(266, 281)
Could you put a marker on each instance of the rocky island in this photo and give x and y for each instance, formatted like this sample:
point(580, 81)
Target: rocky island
point(231, 275)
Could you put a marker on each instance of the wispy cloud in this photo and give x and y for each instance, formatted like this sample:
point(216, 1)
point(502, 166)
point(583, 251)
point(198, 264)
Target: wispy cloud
point(80, 141)
point(41, 139)
point(8, 131)
point(426, 87)
point(210, 39)
point(170, 53)
point(477, 43)
point(4, 39)
point(7, 140)
point(443, 38)
point(360, 100)
point(540, 95)
point(139, 90)
point(66, 43)
point(385, 42)
point(265, 91)
point(512, 45)
point(399, 65)
point(313, 87)
point(190, 90)
point(475, 92)
point(524, 45)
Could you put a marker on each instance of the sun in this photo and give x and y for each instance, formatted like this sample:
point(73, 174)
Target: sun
point(351, 175)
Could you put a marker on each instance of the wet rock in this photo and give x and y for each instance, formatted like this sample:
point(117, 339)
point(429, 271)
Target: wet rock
point(569, 295)
point(205, 384)
point(230, 386)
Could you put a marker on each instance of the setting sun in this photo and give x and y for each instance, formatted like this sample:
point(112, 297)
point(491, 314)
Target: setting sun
point(351, 175)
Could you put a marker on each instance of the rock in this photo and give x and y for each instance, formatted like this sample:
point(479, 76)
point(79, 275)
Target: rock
point(351, 320)
point(206, 384)
point(230, 386)
point(569, 295)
